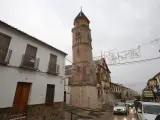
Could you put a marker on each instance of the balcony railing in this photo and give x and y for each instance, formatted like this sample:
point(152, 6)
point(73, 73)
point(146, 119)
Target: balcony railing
point(5, 55)
point(53, 68)
point(29, 62)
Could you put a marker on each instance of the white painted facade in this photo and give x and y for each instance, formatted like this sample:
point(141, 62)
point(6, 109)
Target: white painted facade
point(11, 74)
point(67, 89)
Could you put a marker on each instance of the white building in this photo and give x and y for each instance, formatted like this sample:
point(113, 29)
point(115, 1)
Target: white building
point(157, 78)
point(31, 72)
point(68, 76)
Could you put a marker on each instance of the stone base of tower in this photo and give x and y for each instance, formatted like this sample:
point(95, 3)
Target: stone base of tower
point(85, 97)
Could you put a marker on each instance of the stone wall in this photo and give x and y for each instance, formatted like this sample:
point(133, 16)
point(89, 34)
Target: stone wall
point(5, 113)
point(36, 112)
point(43, 112)
point(85, 97)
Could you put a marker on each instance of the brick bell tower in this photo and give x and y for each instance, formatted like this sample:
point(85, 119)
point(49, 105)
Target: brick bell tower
point(83, 83)
point(81, 50)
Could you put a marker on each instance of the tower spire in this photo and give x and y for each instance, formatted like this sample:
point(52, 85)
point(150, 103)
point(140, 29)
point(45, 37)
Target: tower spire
point(81, 15)
point(81, 8)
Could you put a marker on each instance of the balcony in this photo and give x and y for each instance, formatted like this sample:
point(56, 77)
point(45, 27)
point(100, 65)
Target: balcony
point(53, 68)
point(5, 55)
point(29, 62)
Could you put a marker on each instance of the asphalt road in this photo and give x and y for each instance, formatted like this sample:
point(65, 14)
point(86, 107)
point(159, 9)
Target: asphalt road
point(111, 116)
point(102, 116)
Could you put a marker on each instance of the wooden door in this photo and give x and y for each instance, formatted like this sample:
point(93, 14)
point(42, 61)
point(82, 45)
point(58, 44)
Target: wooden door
point(21, 97)
point(50, 94)
point(4, 44)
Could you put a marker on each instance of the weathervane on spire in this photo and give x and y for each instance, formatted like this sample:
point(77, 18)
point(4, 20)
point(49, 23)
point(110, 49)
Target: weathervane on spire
point(81, 8)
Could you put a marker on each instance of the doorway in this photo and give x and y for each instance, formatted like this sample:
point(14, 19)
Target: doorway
point(21, 97)
point(50, 94)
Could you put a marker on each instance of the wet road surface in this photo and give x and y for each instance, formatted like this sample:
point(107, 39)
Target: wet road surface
point(86, 115)
point(111, 116)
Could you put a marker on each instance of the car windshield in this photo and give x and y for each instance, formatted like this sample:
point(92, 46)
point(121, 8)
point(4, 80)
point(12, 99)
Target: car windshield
point(120, 104)
point(151, 109)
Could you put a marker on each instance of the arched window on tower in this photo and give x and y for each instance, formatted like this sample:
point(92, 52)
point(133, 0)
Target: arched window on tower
point(78, 37)
point(78, 51)
point(89, 38)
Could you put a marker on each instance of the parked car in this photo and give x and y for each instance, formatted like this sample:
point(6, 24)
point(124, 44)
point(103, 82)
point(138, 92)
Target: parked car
point(130, 104)
point(158, 117)
point(148, 110)
point(121, 108)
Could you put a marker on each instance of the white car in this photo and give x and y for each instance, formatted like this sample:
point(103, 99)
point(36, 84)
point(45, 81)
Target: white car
point(120, 108)
point(130, 104)
point(148, 110)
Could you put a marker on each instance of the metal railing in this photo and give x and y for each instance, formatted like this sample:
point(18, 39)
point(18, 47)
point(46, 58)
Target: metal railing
point(29, 62)
point(5, 55)
point(53, 68)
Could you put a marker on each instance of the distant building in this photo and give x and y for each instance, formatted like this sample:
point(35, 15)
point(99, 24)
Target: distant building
point(156, 80)
point(149, 92)
point(67, 80)
point(121, 92)
point(103, 81)
point(31, 73)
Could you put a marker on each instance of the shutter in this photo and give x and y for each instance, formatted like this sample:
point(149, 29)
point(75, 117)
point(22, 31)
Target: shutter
point(4, 44)
point(31, 50)
point(52, 63)
point(50, 94)
point(4, 41)
point(53, 58)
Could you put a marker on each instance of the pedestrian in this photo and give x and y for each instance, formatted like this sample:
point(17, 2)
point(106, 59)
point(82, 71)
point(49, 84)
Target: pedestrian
point(136, 104)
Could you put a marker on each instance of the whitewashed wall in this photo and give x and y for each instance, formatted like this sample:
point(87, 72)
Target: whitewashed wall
point(18, 46)
point(67, 89)
point(8, 82)
point(9, 76)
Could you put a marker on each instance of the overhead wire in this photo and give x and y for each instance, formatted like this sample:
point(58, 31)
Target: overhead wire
point(132, 62)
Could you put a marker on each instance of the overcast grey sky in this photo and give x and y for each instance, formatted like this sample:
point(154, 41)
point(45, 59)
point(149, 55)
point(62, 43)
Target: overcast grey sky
point(115, 24)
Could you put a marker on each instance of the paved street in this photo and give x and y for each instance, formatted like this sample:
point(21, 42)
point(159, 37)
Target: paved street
point(110, 116)
point(88, 115)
